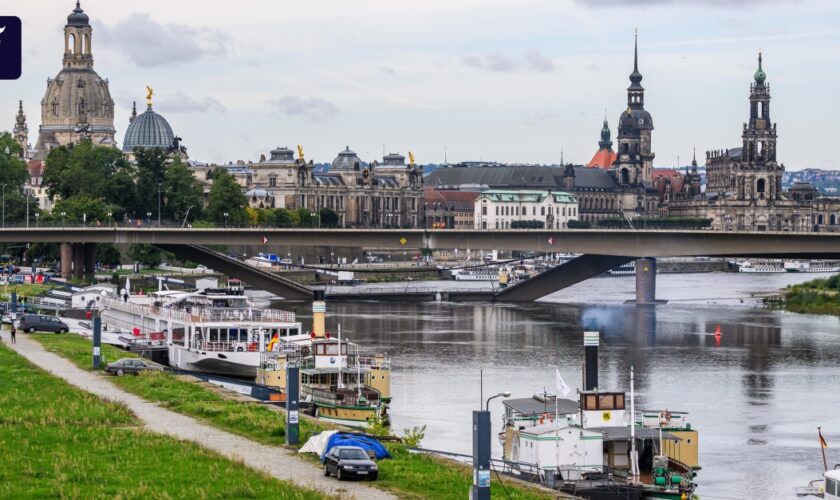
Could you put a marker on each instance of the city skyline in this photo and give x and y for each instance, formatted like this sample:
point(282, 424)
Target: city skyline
point(483, 82)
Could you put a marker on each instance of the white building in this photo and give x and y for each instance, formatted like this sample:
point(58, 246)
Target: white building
point(506, 209)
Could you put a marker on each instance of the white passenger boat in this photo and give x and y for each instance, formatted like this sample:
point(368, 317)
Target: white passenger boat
point(761, 266)
point(213, 331)
point(813, 266)
point(484, 273)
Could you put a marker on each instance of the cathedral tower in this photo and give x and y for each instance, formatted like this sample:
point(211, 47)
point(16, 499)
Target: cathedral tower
point(21, 132)
point(77, 104)
point(635, 158)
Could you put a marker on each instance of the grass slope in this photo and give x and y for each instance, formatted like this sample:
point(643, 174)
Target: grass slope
point(819, 296)
point(408, 475)
point(61, 442)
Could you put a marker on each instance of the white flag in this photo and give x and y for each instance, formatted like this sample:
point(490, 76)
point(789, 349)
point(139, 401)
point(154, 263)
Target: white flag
point(562, 388)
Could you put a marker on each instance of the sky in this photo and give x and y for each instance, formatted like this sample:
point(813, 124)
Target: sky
point(461, 80)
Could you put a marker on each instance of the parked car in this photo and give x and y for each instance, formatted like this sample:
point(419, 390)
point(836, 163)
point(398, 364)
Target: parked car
point(350, 461)
point(42, 323)
point(130, 365)
point(17, 279)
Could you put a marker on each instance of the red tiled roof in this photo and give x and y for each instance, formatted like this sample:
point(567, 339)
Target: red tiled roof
point(450, 198)
point(35, 167)
point(604, 158)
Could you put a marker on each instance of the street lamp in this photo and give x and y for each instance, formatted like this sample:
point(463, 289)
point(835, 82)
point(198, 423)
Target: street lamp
point(149, 218)
point(63, 215)
point(505, 394)
point(186, 216)
point(37, 216)
point(26, 195)
point(226, 218)
point(110, 214)
point(4, 204)
point(160, 185)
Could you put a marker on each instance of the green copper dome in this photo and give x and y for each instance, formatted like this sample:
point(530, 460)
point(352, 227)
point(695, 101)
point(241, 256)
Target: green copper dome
point(760, 76)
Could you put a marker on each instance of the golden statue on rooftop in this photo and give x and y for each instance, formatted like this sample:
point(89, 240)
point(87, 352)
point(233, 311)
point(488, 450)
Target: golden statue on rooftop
point(300, 152)
point(149, 93)
point(411, 158)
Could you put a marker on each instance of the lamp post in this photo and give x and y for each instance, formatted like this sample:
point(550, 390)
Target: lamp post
point(186, 216)
point(160, 185)
point(26, 195)
point(505, 394)
point(4, 205)
point(110, 214)
point(149, 218)
point(63, 215)
point(226, 218)
point(37, 217)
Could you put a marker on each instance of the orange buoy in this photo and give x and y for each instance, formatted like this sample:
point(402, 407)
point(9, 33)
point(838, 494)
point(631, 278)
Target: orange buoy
point(717, 331)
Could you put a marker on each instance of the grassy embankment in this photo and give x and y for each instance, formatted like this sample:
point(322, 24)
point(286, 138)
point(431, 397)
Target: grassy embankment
point(25, 290)
point(819, 296)
point(409, 475)
point(62, 442)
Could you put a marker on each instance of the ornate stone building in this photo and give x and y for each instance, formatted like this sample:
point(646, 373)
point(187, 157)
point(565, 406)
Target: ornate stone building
point(744, 184)
point(635, 158)
point(77, 103)
point(21, 132)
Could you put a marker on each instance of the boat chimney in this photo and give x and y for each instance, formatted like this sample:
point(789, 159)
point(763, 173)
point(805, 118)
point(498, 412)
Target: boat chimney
point(319, 312)
point(590, 345)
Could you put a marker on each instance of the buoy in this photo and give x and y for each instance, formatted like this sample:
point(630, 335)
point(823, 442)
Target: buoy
point(717, 331)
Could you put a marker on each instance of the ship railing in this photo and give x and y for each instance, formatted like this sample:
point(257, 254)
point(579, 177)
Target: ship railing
point(334, 396)
point(229, 346)
point(375, 362)
point(145, 310)
point(243, 314)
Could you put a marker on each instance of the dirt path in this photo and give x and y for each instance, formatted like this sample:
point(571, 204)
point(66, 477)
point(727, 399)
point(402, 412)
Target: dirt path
point(277, 462)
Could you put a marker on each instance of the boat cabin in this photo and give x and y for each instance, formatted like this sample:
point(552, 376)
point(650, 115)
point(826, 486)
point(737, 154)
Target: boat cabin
point(521, 413)
point(602, 408)
point(569, 450)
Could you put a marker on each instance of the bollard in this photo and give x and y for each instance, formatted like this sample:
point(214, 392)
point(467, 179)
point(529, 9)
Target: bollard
point(481, 456)
point(292, 403)
point(97, 341)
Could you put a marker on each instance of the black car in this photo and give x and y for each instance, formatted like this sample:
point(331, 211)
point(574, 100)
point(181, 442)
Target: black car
point(350, 461)
point(130, 365)
point(42, 323)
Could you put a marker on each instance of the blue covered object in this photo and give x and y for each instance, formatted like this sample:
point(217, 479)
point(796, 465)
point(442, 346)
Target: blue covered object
point(366, 443)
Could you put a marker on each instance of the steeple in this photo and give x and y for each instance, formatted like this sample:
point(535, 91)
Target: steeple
point(760, 76)
point(694, 159)
point(21, 131)
point(605, 142)
point(133, 112)
point(635, 92)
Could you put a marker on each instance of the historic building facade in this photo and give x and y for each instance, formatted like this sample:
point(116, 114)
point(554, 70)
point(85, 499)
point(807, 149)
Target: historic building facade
point(77, 104)
point(744, 184)
point(502, 209)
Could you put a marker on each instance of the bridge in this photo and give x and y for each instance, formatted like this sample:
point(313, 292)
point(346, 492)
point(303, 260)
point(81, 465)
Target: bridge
point(601, 249)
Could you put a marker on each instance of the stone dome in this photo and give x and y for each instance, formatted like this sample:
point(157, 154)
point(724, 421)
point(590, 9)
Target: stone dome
point(635, 119)
point(78, 17)
point(148, 130)
point(347, 160)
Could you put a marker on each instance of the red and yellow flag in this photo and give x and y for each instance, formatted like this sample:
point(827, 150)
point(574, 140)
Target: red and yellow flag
point(822, 439)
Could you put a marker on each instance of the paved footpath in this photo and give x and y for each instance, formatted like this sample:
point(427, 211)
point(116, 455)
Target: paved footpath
point(275, 461)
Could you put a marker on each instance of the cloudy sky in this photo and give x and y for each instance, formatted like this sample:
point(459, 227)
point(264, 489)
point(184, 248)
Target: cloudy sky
point(513, 81)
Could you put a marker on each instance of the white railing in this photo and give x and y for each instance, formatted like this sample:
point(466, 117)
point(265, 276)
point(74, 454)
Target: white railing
point(244, 314)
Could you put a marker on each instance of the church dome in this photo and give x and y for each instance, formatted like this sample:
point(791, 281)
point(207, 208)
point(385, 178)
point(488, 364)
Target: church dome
point(635, 119)
point(78, 17)
point(347, 160)
point(148, 130)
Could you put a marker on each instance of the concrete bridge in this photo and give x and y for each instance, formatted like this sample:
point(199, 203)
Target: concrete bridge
point(602, 249)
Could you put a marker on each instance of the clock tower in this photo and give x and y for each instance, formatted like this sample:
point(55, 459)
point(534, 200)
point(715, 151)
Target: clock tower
point(634, 161)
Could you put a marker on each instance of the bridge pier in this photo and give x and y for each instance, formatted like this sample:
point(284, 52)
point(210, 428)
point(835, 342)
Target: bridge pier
point(90, 260)
point(646, 282)
point(78, 260)
point(66, 260)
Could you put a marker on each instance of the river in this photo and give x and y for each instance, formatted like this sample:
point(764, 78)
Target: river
point(756, 396)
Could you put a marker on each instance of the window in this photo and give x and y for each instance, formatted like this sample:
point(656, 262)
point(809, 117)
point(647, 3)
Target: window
point(272, 181)
point(591, 402)
point(605, 402)
point(542, 210)
point(484, 210)
point(832, 486)
point(497, 210)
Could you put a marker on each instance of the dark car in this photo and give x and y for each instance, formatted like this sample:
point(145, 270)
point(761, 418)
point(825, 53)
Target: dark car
point(350, 461)
point(42, 323)
point(130, 365)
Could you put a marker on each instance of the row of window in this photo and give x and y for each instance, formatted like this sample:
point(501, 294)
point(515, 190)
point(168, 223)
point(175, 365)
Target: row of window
point(515, 211)
point(505, 224)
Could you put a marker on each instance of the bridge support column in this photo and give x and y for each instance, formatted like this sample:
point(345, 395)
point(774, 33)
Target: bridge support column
point(646, 281)
point(78, 260)
point(90, 260)
point(66, 260)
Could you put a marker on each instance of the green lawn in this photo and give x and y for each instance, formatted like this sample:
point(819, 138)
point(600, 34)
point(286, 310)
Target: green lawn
point(408, 475)
point(62, 442)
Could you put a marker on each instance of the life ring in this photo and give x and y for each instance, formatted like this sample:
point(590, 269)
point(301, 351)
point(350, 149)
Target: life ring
point(239, 349)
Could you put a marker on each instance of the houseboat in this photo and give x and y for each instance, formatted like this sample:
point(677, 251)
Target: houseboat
point(217, 331)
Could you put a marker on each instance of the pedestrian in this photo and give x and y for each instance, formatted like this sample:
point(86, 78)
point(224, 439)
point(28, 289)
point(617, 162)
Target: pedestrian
point(14, 341)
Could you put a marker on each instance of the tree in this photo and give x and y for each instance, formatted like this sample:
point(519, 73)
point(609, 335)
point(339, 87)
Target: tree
point(307, 218)
point(13, 171)
point(328, 217)
point(85, 169)
point(226, 197)
point(108, 254)
point(148, 255)
point(81, 208)
point(181, 192)
point(151, 169)
point(285, 218)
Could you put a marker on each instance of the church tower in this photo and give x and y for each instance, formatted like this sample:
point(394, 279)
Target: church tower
point(77, 104)
point(635, 158)
point(21, 132)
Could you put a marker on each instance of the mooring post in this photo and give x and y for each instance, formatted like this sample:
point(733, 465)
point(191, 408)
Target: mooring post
point(292, 403)
point(13, 306)
point(481, 456)
point(97, 342)
point(645, 281)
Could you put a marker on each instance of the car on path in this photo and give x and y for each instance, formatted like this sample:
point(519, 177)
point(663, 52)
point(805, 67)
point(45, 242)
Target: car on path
point(131, 366)
point(32, 323)
point(350, 462)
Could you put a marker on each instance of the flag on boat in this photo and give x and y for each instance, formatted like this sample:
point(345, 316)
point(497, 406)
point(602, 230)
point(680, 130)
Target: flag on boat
point(562, 388)
point(264, 240)
point(822, 439)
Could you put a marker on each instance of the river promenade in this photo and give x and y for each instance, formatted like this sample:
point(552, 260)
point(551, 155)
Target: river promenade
point(278, 462)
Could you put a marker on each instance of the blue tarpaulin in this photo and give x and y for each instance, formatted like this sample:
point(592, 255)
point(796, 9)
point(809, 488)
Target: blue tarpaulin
point(367, 443)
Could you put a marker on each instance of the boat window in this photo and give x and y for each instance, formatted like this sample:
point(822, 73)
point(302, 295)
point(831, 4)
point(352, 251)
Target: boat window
point(214, 335)
point(178, 335)
point(832, 486)
point(591, 402)
point(619, 401)
point(605, 402)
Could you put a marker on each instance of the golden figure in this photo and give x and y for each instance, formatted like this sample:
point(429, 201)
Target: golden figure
point(149, 93)
point(411, 158)
point(300, 152)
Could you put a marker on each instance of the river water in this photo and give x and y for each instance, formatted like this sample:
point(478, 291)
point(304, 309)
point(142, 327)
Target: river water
point(757, 395)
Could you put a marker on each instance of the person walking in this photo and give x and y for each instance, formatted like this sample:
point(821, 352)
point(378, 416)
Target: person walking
point(14, 331)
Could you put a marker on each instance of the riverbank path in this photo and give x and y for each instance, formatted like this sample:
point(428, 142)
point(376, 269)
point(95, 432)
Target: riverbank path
point(277, 462)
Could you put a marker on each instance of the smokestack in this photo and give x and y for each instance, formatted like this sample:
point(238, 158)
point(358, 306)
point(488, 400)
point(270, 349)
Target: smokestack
point(319, 312)
point(590, 345)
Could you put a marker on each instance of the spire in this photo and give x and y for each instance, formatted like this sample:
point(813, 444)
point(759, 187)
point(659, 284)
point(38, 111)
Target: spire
point(760, 76)
point(605, 142)
point(635, 76)
point(133, 112)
